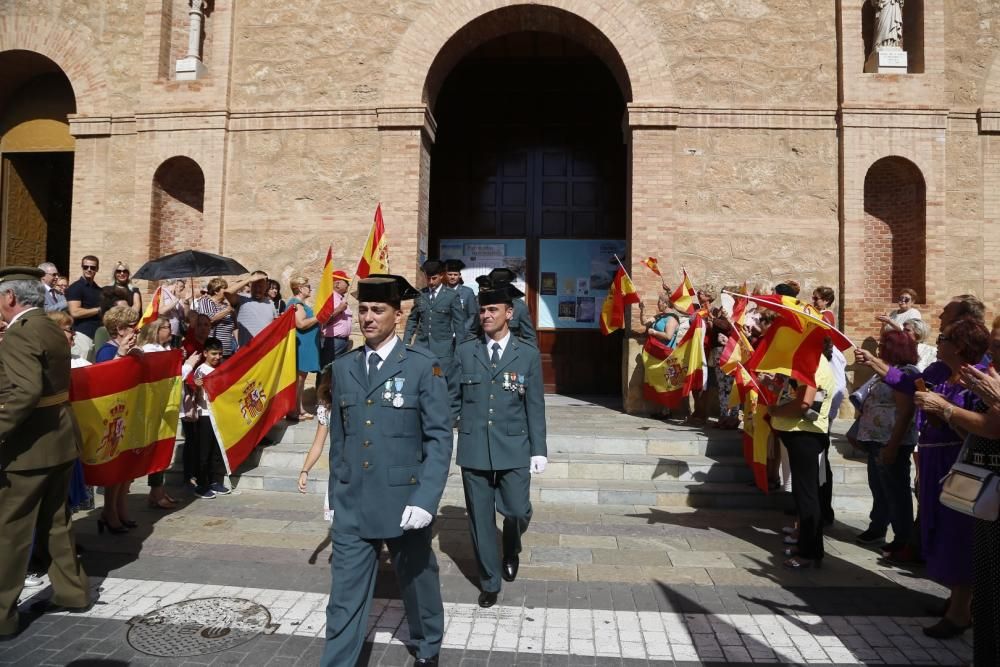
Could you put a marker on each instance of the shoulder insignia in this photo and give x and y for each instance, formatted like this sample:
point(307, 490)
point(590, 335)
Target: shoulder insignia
point(436, 371)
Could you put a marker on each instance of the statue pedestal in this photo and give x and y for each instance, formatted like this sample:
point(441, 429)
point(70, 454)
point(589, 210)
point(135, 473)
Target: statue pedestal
point(887, 61)
point(189, 69)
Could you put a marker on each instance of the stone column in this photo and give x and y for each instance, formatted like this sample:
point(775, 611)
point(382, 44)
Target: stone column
point(191, 67)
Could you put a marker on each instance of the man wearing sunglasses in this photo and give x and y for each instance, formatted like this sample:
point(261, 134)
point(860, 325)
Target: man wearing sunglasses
point(84, 299)
point(54, 301)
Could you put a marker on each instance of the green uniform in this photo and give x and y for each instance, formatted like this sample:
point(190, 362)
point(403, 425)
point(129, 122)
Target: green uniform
point(39, 443)
point(438, 323)
point(390, 447)
point(501, 412)
point(520, 323)
point(471, 307)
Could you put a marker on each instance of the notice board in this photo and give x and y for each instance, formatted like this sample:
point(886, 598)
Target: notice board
point(483, 255)
point(574, 276)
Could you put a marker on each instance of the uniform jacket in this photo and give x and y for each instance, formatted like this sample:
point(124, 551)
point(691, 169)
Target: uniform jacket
point(471, 307)
point(383, 458)
point(520, 324)
point(499, 429)
point(34, 367)
point(437, 325)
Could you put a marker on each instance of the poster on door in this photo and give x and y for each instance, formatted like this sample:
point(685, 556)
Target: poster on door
point(483, 255)
point(577, 274)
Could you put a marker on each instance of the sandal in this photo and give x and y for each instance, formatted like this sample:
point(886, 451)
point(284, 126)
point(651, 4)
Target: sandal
point(305, 416)
point(945, 629)
point(164, 503)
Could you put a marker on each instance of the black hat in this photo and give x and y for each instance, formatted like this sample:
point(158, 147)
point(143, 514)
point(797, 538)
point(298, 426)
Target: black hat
point(501, 293)
point(20, 273)
point(432, 267)
point(785, 290)
point(385, 288)
point(502, 274)
point(454, 265)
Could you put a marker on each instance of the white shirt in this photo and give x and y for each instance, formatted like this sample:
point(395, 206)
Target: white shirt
point(382, 352)
point(434, 292)
point(502, 342)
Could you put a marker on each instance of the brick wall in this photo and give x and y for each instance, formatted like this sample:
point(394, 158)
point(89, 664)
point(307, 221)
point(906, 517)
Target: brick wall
point(178, 202)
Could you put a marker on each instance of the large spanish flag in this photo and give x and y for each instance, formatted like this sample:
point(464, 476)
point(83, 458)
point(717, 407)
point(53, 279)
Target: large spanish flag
point(756, 422)
point(622, 292)
point(375, 257)
point(152, 310)
point(794, 342)
point(683, 297)
point(670, 375)
point(324, 291)
point(127, 410)
point(255, 389)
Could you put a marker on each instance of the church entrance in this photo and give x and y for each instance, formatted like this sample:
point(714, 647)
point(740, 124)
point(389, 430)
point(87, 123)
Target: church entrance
point(529, 171)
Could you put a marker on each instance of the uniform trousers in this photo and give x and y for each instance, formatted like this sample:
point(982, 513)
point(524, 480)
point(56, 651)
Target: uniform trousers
point(486, 493)
point(35, 501)
point(354, 566)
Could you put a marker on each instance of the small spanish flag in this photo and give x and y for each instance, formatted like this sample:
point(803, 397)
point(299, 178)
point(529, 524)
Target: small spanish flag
point(152, 311)
point(622, 292)
point(683, 297)
point(253, 390)
point(324, 291)
point(375, 257)
point(653, 265)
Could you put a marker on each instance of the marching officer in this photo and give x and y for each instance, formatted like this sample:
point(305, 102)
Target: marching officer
point(437, 320)
point(39, 443)
point(520, 322)
point(390, 449)
point(501, 434)
point(453, 277)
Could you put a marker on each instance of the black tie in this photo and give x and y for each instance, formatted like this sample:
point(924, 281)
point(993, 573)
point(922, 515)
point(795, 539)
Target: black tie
point(495, 358)
point(430, 295)
point(373, 360)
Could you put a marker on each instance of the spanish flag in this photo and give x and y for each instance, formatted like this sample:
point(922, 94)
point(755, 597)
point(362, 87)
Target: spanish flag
point(794, 342)
point(152, 310)
point(653, 265)
point(375, 258)
point(255, 389)
point(127, 410)
point(736, 350)
point(622, 292)
point(756, 422)
point(670, 375)
point(683, 297)
point(324, 291)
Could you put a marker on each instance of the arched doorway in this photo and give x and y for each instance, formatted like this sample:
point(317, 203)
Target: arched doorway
point(36, 160)
point(529, 169)
point(178, 205)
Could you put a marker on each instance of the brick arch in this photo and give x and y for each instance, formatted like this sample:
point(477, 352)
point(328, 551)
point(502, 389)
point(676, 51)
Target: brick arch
point(176, 215)
point(895, 229)
point(416, 67)
point(76, 55)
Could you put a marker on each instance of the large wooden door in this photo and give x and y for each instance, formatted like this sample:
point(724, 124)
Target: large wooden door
point(532, 148)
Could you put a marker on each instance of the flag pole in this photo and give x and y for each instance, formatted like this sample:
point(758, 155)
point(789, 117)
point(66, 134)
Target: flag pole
point(818, 320)
point(622, 265)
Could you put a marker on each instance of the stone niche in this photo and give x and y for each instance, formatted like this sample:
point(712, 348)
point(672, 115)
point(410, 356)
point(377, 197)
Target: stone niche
point(908, 57)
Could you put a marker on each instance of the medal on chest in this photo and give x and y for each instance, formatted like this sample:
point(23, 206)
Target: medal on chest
point(387, 393)
point(397, 400)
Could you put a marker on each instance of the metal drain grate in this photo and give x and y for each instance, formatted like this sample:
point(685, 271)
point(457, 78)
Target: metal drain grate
point(198, 627)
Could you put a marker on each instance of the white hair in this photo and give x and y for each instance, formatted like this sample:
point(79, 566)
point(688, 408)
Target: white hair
point(28, 293)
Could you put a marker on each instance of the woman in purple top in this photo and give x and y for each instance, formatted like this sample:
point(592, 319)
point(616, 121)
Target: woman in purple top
point(946, 535)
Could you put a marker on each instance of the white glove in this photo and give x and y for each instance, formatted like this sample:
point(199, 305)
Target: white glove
point(538, 464)
point(415, 518)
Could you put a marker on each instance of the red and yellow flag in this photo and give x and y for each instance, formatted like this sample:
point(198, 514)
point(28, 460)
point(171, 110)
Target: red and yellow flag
point(152, 310)
point(375, 258)
point(622, 292)
point(670, 375)
point(683, 297)
point(756, 423)
point(324, 291)
point(127, 410)
point(794, 342)
point(653, 265)
point(255, 389)
point(736, 350)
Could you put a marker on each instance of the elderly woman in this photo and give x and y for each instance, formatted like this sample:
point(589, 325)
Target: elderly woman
point(666, 324)
point(822, 300)
point(905, 311)
point(220, 314)
point(120, 322)
point(122, 278)
point(307, 330)
point(705, 296)
point(946, 535)
point(886, 430)
point(174, 305)
point(919, 330)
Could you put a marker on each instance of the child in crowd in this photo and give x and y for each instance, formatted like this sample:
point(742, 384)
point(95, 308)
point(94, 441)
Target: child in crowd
point(196, 408)
point(323, 399)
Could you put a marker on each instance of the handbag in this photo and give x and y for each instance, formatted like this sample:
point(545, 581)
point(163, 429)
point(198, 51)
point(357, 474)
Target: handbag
point(971, 490)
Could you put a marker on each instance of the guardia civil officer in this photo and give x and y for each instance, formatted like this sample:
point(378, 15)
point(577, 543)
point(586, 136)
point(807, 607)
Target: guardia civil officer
point(390, 449)
point(39, 442)
point(437, 320)
point(520, 322)
point(500, 409)
point(453, 278)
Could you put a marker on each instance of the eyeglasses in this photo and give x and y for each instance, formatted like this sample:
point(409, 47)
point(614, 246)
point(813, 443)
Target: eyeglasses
point(89, 267)
point(121, 271)
point(51, 273)
point(905, 299)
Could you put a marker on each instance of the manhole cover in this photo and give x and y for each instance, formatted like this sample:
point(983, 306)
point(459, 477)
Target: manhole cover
point(199, 627)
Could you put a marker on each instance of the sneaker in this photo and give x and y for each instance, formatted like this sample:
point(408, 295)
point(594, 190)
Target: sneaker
point(220, 489)
point(32, 580)
point(870, 536)
point(206, 494)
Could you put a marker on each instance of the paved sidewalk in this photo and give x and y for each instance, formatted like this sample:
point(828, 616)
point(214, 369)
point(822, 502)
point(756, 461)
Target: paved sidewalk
point(601, 585)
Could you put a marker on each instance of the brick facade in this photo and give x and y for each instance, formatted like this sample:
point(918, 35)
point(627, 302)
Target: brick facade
point(757, 146)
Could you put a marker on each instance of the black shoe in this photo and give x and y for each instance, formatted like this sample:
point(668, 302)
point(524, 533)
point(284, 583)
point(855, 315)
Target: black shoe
point(487, 599)
point(891, 548)
point(433, 660)
point(22, 624)
point(48, 607)
point(870, 536)
point(945, 629)
point(510, 566)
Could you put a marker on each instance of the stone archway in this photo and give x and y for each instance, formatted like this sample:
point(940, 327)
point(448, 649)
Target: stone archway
point(178, 205)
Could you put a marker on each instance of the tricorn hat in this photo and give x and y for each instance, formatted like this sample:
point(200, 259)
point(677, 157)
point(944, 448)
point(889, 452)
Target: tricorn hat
point(454, 265)
point(385, 288)
point(501, 293)
point(502, 274)
point(432, 267)
point(20, 273)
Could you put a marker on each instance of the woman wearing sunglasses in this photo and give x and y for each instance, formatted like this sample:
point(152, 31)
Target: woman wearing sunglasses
point(123, 279)
point(905, 312)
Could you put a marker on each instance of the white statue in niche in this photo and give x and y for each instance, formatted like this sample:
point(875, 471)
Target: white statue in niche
point(888, 24)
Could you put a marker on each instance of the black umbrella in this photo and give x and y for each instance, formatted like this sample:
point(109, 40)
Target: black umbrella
point(189, 264)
